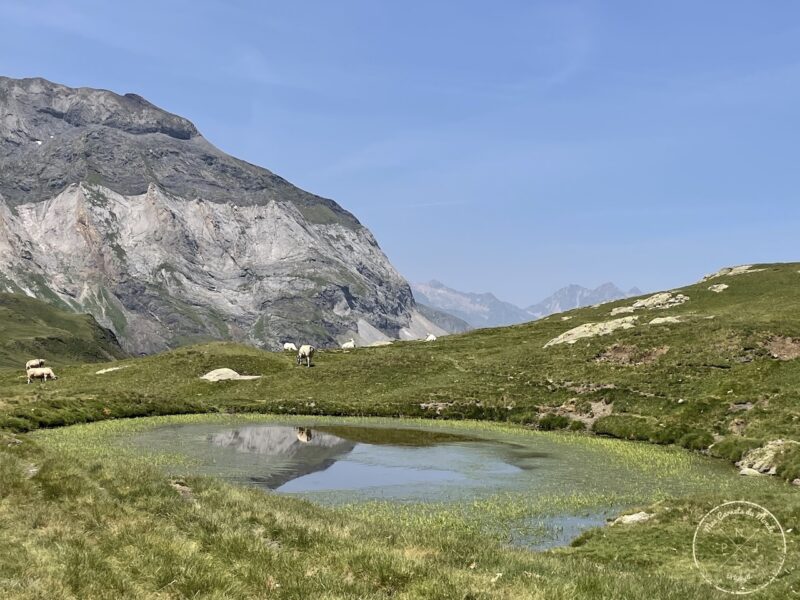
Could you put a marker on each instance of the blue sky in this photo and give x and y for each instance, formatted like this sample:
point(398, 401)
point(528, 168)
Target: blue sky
point(512, 146)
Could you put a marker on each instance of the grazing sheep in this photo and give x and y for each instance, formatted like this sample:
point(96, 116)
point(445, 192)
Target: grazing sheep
point(290, 346)
point(430, 338)
point(306, 352)
point(349, 345)
point(33, 363)
point(40, 373)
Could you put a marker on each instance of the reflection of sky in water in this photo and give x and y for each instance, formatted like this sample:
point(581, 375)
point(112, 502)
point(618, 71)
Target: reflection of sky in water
point(339, 464)
point(367, 466)
point(343, 464)
point(308, 461)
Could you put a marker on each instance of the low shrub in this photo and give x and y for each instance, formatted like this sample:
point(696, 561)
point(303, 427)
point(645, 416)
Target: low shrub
point(789, 464)
point(551, 421)
point(626, 427)
point(696, 440)
point(733, 447)
point(577, 426)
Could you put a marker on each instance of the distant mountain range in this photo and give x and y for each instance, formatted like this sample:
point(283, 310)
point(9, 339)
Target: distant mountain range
point(576, 296)
point(486, 310)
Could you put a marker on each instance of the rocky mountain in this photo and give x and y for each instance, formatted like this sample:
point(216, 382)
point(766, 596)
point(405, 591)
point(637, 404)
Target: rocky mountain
point(576, 296)
point(448, 322)
point(479, 310)
point(113, 206)
point(486, 310)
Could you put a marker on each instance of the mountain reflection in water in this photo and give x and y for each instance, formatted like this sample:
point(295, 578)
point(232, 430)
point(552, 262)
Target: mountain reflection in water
point(296, 451)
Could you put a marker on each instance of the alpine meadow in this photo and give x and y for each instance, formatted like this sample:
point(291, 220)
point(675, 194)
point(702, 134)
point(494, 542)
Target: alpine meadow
point(216, 384)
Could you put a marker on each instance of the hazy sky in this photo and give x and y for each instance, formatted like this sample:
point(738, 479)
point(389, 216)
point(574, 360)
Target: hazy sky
point(512, 146)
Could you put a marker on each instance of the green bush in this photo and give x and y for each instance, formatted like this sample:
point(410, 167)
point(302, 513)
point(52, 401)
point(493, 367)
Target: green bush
point(527, 417)
point(789, 464)
point(733, 447)
point(551, 421)
point(696, 440)
point(626, 427)
point(577, 426)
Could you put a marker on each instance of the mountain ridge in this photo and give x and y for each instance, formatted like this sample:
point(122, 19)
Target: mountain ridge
point(486, 310)
point(113, 206)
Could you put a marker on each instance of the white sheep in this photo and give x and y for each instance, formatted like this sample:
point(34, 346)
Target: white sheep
point(290, 346)
point(33, 363)
point(306, 352)
point(349, 345)
point(42, 373)
point(430, 338)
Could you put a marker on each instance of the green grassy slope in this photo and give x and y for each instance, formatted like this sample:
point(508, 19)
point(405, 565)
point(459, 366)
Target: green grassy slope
point(72, 525)
point(709, 378)
point(30, 328)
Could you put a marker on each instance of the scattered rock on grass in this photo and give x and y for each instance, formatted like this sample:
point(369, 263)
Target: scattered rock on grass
point(591, 330)
point(226, 375)
point(765, 458)
point(664, 320)
point(737, 426)
point(108, 370)
point(741, 269)
point(437, 406)
point(718, 287)
point(661, 301)
point(749, 472)
point(184, 490)
point(639, 517)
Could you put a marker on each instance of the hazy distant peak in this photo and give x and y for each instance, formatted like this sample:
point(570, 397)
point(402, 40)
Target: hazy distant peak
point(486, 310)
point(479, 310)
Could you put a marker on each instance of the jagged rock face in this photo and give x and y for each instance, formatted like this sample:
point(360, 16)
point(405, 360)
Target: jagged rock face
point(114, 207)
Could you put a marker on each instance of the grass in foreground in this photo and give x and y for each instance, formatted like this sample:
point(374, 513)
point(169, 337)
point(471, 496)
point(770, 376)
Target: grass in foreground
point(77, 527)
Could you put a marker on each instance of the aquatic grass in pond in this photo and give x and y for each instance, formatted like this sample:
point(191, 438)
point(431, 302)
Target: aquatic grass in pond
point(570, 481)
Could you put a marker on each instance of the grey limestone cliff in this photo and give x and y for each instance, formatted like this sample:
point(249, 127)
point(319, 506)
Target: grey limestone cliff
point(112, 206)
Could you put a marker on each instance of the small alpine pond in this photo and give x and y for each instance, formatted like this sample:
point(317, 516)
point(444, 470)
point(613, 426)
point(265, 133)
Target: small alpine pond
point(544, 487)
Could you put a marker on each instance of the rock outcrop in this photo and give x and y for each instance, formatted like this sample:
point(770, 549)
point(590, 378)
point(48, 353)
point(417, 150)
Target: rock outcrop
point(765, 459)
point(729, 271)
point(639, 517)
point(592, 329)
point(112, 206)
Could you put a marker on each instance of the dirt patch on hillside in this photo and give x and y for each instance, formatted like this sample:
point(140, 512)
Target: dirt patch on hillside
point(625, 355)
point(783, 348)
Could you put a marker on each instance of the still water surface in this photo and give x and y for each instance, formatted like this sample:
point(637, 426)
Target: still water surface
point(344, 463)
